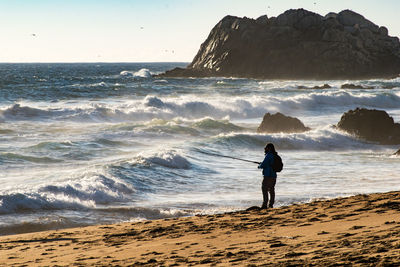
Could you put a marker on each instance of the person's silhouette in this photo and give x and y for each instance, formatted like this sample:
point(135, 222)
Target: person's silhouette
point(269, 181)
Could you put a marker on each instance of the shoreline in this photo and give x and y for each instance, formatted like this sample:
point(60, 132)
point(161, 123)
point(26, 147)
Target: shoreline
point(360, 230)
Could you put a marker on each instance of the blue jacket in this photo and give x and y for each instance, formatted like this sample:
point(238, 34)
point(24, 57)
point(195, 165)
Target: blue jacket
point(266, 165)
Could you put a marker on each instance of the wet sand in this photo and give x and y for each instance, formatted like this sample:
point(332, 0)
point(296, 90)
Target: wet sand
point(361, 230)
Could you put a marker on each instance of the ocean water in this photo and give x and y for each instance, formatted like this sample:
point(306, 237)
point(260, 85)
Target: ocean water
point(84, 144)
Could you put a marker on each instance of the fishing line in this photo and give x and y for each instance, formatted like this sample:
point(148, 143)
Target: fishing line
point(230, 157)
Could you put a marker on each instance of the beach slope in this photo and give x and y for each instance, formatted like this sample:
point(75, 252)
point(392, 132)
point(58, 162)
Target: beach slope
point(360, 230)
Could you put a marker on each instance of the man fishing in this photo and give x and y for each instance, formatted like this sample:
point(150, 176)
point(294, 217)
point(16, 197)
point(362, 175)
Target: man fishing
point(271, 164)
point(269, 181)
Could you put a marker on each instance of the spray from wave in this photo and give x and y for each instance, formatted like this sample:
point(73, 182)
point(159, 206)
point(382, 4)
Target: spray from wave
point(322, 139)
point(86, 192)
point(189, 107)
point(142, 73)
point(169, 159)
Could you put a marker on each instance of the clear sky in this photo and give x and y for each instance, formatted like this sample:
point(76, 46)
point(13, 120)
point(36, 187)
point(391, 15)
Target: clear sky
point(143, 31)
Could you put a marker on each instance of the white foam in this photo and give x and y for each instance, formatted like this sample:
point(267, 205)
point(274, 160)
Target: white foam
point(161, 81)
point(142, 73)
point(255, 106)
point(322, 139)
point(88, 191)
point(169, 159)
point(344, 98)
point(100, 84)
point(197, 107)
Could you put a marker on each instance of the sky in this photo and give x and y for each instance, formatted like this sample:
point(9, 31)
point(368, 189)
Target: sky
point(143, 31)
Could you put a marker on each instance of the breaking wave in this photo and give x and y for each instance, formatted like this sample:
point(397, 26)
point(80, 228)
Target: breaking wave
point(188, 127)
point(323, 139)
point(103, 143)
point(188, 107)
point(17, 111)
point(210, 124)
point(85, 193)
point(142, 73)
point(169, 159)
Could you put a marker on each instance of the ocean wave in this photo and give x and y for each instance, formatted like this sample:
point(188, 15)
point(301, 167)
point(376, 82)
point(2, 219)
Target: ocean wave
point(85, 193)
point(99, 84)
point(108, 142)
point(323, 139)
point(255, 106)
point(15, 157)
point(161, 81)
point(188, 127)
point(210, 124)
point(189, 108)
point(142, 73)
point(169, 159)
point(46, 146)
point(344, 99)
point(90, 87)
point(93, 112)
point(192, 107)
point(288, 85)
point(17, 111)
point(173, 129)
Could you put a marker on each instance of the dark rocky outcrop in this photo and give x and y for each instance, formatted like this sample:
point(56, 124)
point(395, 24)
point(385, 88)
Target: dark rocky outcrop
point(276, 123)
point(397, 153)
point(325, 86)
point(355, 86)
point(371, 125)
point(296, 44)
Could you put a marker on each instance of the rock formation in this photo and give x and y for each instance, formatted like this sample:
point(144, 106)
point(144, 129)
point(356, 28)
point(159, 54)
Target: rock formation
point(276, 123)
point(296, 44)
point(397, 153)
point(371, 125)
point(355, 86)
point(325, 86)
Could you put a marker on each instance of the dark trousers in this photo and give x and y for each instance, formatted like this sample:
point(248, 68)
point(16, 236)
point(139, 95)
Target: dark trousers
point(268, 187)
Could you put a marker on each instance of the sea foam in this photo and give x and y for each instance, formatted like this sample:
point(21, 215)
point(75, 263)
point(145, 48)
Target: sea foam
point(190, 107)
point(327, 138)
point(142, 73)
point(169, 159)
point(87, 192)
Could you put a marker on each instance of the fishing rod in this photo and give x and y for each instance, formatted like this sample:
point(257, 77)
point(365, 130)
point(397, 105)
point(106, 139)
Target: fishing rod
point(230, 157)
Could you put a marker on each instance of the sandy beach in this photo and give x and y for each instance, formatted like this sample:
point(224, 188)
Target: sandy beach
point(359, 230)
point(145, 133)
